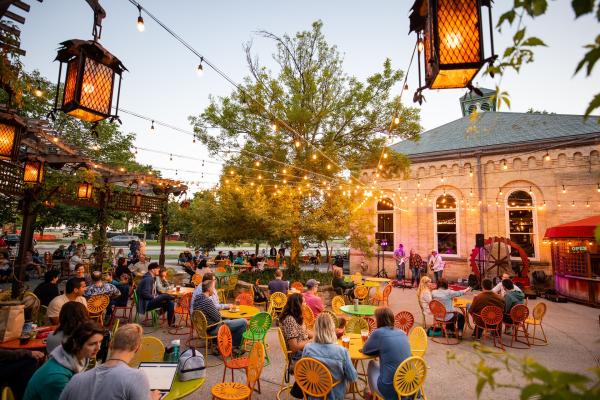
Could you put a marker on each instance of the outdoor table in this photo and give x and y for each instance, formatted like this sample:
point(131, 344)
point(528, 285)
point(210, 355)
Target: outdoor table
point(356, 344)
point(182, 290)
point(378, 282)
point(32, 344)
point(361, 311)
point(462, 303)
point(181, 389)
point(221, 275)
point(246, 312)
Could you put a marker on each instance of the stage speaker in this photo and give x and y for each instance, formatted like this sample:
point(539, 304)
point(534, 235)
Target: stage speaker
point(479, 240)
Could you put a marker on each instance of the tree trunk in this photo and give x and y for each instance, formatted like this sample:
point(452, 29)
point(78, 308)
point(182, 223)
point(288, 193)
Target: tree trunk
point(25, 243)
point(295, 253)
point(164, 222)
point(256, 245)
point(327, 253)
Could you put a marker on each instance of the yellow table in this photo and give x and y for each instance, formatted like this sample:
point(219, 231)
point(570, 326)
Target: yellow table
point(378, 283)
point(356, 344)
point(182, 291)
point(181, 389)
point(463, 303)
point(246, 312)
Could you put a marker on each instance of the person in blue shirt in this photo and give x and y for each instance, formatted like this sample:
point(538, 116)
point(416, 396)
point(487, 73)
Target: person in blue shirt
point(335, 357)
point(445, 296)
point(148, 297)
point(380, 343)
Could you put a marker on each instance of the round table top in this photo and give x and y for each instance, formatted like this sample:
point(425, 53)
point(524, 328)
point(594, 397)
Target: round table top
point(356, 344)
point(181, 389)
point(33, 344)
point(376, 279)
point(244, 312)
point(371, 284)
point(461, 302)
point(182, 290)
point(224, 274)
point(362, 310)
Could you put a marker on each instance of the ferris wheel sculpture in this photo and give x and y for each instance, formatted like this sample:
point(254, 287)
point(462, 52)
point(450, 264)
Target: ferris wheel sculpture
point(494, 259)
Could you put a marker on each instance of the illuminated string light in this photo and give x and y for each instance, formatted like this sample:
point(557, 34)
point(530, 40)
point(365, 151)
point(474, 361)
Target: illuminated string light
point(564, 189)
point(200, 68)
point(547, 157)
point(140, 20)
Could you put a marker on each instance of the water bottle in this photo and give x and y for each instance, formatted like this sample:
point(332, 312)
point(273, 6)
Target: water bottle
point(175, 346)
point(355, 304)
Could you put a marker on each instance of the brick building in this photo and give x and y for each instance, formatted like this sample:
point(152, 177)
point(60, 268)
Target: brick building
point(498, 173)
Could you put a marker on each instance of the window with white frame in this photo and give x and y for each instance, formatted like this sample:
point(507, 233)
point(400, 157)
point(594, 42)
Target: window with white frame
point(446, 225)
point(385, 223)
point(521, 215)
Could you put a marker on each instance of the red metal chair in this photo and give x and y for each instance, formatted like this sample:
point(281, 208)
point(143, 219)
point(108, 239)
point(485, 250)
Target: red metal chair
point(244, 299)
point(518, 314)
point(225, 346)
point(439, 321)
point(404, 321)
point(381, 299)
point(182, 309)
point(372, 323)
point(489, 321)
point(126, 311)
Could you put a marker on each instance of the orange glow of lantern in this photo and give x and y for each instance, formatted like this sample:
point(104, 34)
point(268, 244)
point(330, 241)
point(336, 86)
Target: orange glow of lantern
point(12, 128)
point(85, 191)
point(33, 172)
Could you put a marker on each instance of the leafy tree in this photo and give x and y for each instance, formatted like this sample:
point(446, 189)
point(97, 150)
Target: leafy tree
point(314, 125)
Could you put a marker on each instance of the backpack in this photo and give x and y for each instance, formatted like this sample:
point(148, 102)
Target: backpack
point(191, 365)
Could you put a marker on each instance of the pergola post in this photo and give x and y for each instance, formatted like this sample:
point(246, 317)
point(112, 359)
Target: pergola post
point(164, 221)
point(26, 241)
point(102, 225)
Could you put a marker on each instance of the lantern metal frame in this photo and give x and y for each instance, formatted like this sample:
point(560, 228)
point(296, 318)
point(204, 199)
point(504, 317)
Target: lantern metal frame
point(425, 20)
point(87, 59)
point(11, 124)
point(87, 189)
point(33, 165)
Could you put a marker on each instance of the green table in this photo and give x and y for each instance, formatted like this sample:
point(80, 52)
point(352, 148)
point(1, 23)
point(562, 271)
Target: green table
point(180, 389)
point(362, 310)
point(222, 275)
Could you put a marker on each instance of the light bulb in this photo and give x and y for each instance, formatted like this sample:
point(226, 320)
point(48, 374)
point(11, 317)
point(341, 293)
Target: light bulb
point(314, 156)
point(152, 126)
point(140, 24)
point(274, 127)
point(564, 189)
point(38, 91)
point(200, 70)
point(297, 143)
point(257, 163)
point(420, 45)
point(329, 167)
point(547, 157)
point(396, 120)
point(385, 155)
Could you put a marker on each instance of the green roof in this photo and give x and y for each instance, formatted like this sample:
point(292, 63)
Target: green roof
point(491, 129)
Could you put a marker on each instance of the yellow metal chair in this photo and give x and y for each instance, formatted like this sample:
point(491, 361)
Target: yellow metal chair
point(239, 391)
point(276, 303)
point(418, 341)
point(381, 299)
point(7, 394)
point(196, 279)
point(536, 320)
point(221, 296)
point(409, 378)
point(151, 350)
point(357, 278)
point(230, 286)
point(333, 317)
point(356, 325)
point(96, 306)
point(308, 317)
point(314, 378)
point(361, 293)
point(336, 305)
point(286, 358)
point(201, 327)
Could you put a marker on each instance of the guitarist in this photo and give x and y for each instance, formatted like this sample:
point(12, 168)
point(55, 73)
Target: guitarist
point(399, 256)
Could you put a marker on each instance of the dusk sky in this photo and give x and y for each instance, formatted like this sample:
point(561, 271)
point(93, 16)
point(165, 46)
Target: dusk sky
point(162, 81)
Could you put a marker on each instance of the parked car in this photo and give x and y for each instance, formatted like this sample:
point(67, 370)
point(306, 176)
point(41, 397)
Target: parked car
point(12, 239)
point(122, 240)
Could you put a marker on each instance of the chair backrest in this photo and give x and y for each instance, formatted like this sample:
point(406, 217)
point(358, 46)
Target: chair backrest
point(232, 282)
point(410, 376)
point(196, 279)
point(245, 299)
point(332, 315)
point(170, 273)
point(221, 268)
point(32, 302)
point(224, 341)
point(256, 362)
point(261, 322)
point(371, 322)
point(115, 327)
point(7, 394)
point(97, 304)
point(313, 377)
point(221, 296)
point(199, 323)
point(357, 278)
point(387, 290)
point(151, 350)
point(418, 341)
point(519, 313)
point(277, 301)
point(185, 303)
point(308, 317)
point(361, 292)
point(299, 286)
point(438, 310)
point(539, 311)
point(283, 344)
point(336, 303)
point(356, 324)
point(404, 320)
point(491, 315)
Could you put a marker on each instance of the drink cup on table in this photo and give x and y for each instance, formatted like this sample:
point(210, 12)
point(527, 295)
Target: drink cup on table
point(346, 341)
point(178, 288)
point(364, 334)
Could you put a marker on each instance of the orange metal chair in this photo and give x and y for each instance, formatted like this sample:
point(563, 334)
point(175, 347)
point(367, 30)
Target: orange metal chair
point(308, 317)
point(126, 311)
point(372, 323)
point(196, 279)
point(314, 378)
point(224, 343)
point(299, 286)
point(439, 321)
point(536, 320)
point(381, 299)
point(361, 293)
point(404, 321)
point(182, 309)
point(245, 299)
point(489, 321)
point(239, 391)
point(518, 314)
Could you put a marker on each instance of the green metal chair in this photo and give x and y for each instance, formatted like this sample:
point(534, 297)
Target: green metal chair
point(153, 313)
point(258, 326)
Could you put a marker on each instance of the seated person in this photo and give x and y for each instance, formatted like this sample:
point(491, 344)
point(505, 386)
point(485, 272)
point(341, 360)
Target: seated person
point(80, 273)
point(424, 297)
point(499, 288)
point(335, 357)
point(72, 314)
point(445, 296)
point(48, 289)
point(220, 256)
point(239, 259)
point(312, 299)
point(5, 268)
point(30, 263)
point(72, 247)
point(380, 342)
point(65, 361)
point(120, 254)
point(16, 368)
point(186, 261)
point(60, 253)
point(340, 286)
point(98, 286)
point(120, 380)
point(278, 284)
point(292, 326)
point(124, 286)
point(123, 268)
point(204, 303)
point(486, 298)
point(209, 276)
point(162, 283)
point(150, 299)
point(74, 289)
point(253, 261)
point(75, 259)
point(197, 258)
point(512, 297)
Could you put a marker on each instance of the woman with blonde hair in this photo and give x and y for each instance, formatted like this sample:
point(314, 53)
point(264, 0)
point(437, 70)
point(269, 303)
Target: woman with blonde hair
point(335, 357)
point(424, 297)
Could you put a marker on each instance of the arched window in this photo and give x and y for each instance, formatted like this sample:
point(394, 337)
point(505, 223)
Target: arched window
point(446, 225)
point(385, 224)
point(521, 215)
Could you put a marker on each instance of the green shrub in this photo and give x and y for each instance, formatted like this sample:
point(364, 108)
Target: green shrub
point(268, 275)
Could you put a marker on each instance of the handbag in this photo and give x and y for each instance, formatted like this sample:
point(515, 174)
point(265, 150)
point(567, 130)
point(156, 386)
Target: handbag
point(12, 318)
point(191, 365)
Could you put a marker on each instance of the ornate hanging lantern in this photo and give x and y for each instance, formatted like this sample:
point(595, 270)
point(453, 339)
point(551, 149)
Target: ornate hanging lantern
point(90, 80)
point(84, 192)
point(450, 37)
point(33, 172)
point(12, 128)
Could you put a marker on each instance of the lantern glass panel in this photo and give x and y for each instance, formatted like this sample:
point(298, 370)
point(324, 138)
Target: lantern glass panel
point(88, 89)
point(85, 191)
point(33, 172)
point(7, 140)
